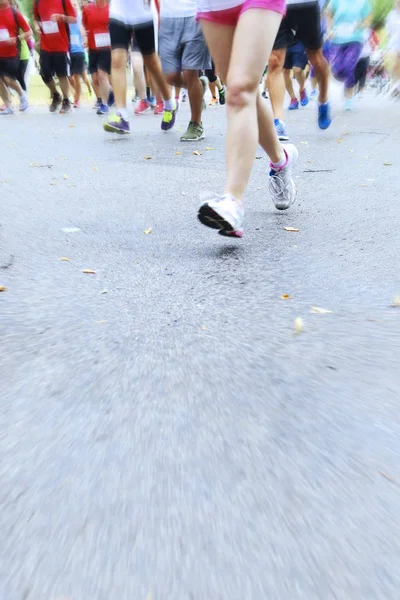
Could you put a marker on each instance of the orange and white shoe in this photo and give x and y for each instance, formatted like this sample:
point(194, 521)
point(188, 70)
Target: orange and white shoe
point(214, 101)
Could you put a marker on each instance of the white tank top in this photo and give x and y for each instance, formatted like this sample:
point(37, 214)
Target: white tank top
point(213, 5)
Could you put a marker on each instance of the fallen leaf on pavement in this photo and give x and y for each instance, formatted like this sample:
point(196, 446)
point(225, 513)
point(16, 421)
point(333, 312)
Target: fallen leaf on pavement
point(387, 476)
point(95, 168)
point(209, 148)
point(178, 153)
point(291, 229)
point(148, 157)
point(147, 231)
point(320, 311)
point(183, 193)
point(305, 143)
point(65, 259)
point(53, 183)
point(89, 271)
point(285, 297)
point(70, 229)
point(197, 153)
point(103, 321)
point(104, 292)
point(3, 288)
point(71, 126)
point(340, 140)
point(396, 302)
point(298, 325)
point(203, 327)
point(388, 164)
point(309, 162)
point(65, 176)
point(364, 185)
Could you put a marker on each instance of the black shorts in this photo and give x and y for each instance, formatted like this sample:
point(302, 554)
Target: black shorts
point(302, 23)
point(296, 57)
point(78, 65)
point(100, 60)
point(53, 63)
point(121, 36)
point(9, 67)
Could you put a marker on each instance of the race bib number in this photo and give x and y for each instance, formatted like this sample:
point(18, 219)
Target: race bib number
point(102, 40)
point(4, 35)
point(75, 40)
point(345, 30)
point(50, 27)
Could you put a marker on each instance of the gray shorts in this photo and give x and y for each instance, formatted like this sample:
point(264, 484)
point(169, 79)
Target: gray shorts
point(181, 45)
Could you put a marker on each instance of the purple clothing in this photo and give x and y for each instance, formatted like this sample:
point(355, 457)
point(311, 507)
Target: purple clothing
point(343, 59)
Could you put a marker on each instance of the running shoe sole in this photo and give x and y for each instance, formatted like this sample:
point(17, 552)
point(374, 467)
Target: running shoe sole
point(111, 129)
point(208, 217)
point(201, 137)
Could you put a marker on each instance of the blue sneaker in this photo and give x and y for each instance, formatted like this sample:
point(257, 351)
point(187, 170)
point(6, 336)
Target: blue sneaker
point(102, 110)
point(111, 99)
point(281, 130)
point(324, 116)
point(304, 99)
point(294, 104)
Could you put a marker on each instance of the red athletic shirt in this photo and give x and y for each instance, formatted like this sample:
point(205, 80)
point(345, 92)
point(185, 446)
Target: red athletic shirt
point(9, 30)
point(96, 20)
point(54, 36)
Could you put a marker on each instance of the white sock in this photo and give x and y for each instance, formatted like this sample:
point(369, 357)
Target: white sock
point(123, 113)
point(169, 104)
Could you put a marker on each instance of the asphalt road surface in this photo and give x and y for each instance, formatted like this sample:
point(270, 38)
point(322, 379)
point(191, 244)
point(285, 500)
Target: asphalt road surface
point(164, 433)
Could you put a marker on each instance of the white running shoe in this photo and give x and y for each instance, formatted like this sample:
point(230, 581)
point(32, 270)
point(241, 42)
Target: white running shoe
point(224, 213)
point(281, 184)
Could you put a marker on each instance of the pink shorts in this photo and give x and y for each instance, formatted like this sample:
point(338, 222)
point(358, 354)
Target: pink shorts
point(231, 16)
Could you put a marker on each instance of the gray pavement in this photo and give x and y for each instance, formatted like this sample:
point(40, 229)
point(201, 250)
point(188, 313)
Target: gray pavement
point(171, 438)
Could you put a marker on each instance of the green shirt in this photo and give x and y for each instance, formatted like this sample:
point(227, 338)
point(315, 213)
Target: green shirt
point(24, 52)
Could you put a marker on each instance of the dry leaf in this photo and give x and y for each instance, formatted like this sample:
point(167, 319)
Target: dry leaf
point(197, 153)
point(3, 288)
point(89, 271)
point(178, 153)
point(65, 259)
point(70, 229)
point(285, 297)
point(147, 231)
point(340, 140)
point(203, 327)
point(104, 292)
point(396, 302)
point(291, 229)
point(364, 185)
point(71, 126)
point(320, 311)
point(103, 321)
point(95, 168)
point(387, 164)
point(387, 476)
point(309, 162)
point(298, 325)
point(209, 148)
point(148, 157)
point(305, 143)
point(65, 176)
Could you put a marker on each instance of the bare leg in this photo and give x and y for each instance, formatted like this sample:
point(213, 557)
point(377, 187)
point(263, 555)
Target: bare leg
point(4, 93)
point(14, 85)
point(287, 74)
point(64, 85)
point(300, 77)
point(138, 74)
point(195, 92)
point(321, 67)
point(276, 82)
point(104, 85)
point(87, 82)
point(241, 55)
point(52, 87)
point(95, 84)
point(153, 65)
point(77, 87)
point(119, 58)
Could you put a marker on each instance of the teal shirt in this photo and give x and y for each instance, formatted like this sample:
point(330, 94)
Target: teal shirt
point(347, 18)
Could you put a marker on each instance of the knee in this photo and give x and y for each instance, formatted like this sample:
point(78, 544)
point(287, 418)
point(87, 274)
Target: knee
point(241, 93)
point(118, 61)
point(297, 71)
point(275, 63)
point(171, 79)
